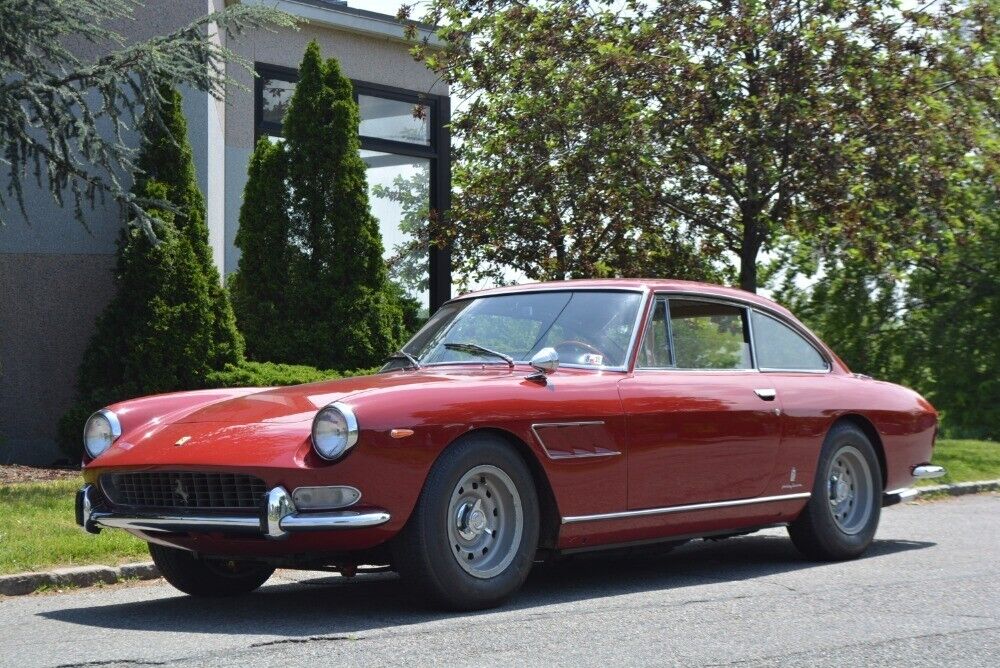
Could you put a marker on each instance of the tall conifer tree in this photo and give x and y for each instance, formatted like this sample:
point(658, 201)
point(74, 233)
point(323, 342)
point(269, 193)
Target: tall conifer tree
point(339, 309)
point(170, 322)
point(260, 282)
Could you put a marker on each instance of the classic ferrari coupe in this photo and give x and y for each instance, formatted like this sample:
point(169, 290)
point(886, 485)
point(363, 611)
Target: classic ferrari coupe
point(519, 424)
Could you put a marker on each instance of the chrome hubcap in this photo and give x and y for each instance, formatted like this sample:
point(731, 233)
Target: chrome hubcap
point(850, 489)
point(485, 521)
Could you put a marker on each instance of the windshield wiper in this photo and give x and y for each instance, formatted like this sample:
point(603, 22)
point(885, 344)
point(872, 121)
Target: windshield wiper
point(474, 349)
point(403, 355)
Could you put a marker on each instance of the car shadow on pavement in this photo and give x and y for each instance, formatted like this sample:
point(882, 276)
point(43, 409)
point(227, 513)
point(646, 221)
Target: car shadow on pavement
point(331, 606)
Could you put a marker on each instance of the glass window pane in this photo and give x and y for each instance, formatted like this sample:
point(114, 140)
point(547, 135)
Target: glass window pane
point(655, 350)
point(780, 347)
point(276, 94)
point(586, 328)
point(395, 120)
point(709, 335)
point(399, 191)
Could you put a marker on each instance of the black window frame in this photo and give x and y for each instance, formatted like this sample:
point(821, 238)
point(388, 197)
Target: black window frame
point(438, 153)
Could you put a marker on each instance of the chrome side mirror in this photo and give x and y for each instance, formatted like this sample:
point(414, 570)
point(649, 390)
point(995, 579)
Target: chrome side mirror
point(544, 362)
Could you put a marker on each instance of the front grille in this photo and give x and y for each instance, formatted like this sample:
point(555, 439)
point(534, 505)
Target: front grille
point(183, 489)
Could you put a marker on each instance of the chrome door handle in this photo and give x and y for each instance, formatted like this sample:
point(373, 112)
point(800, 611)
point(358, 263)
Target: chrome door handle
point(766, 393)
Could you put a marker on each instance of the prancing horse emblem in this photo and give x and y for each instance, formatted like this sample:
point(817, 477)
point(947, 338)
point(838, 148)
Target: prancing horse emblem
point(181, 492)
point(181, 441)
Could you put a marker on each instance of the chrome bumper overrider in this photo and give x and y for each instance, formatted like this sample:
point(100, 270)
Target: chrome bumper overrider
point(922, 472)
point(278, 518)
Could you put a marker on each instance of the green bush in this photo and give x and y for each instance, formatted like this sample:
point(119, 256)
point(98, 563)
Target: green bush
point(312, 286)
point(170, 322)
point(269, 374)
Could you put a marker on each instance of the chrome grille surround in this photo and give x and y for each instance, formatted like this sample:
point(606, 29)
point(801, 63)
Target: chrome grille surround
point(184, 489)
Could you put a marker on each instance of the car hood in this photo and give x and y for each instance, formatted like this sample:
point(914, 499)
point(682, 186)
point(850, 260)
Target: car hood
point(300, 402)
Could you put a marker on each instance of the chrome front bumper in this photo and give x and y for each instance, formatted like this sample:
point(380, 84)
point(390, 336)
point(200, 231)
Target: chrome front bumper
point(278, 517)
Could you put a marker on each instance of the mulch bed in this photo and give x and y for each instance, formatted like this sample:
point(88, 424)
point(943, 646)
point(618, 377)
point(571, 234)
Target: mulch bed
point(11, 473)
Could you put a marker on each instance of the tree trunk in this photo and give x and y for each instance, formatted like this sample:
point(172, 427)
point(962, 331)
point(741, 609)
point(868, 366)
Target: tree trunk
point(748, 254)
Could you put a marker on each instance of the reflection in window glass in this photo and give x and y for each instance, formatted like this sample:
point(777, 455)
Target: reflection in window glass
point(399, 192)
point(655, 350)
point(276, 94)
point(780, 347)
point(587, 328)
point(395, 120)
point(709, 335)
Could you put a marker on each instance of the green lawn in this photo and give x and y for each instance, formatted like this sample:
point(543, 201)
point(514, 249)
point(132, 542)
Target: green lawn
point(966, 461)
point(38, 530)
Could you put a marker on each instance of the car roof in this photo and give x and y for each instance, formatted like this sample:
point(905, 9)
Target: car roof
point(639, 284)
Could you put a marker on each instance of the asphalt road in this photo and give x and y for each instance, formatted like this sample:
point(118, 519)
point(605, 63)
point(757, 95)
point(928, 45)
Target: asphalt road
point(927, 593)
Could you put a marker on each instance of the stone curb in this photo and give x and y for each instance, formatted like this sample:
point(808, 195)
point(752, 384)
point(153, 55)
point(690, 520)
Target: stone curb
point(79, 576)
point(961, 488)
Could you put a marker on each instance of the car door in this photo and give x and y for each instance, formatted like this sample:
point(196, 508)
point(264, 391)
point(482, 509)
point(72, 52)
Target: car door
point(703, 425)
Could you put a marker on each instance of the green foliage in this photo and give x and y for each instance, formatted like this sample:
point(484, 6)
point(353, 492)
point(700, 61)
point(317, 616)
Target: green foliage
point(259, 285)
point(269, 374)
point(52, 102)
point(337, 308)
point(555, 158)
point(170, 322)
point(585, 123)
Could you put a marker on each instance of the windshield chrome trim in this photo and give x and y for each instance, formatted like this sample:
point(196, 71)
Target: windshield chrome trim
point(529, 288)
point(636, 326)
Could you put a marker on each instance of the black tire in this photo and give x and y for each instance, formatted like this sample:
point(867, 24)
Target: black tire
point(208, 577)
point(423, 551)
point(816, 532)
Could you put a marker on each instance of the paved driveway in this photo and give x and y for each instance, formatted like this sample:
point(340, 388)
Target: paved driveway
point(928, 593)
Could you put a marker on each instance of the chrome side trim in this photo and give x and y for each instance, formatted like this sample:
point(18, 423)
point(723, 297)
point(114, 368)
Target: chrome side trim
point(684, 509)
point(895, 496)
point(928, 471)
point(557, 425)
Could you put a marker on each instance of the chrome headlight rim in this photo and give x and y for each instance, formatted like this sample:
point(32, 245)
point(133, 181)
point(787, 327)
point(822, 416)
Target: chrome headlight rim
point(351, 428)
point(114, 426)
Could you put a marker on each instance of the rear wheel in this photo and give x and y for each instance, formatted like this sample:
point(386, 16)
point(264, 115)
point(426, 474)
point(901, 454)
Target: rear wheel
point(471, 540)
point(208, 577)
point(842, 515)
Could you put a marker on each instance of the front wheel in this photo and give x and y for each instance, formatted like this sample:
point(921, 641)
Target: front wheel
point(208, 577)
point(840, 520)
point(471, 540)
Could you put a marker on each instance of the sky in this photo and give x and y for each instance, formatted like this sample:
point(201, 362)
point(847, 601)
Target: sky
point(389, 7)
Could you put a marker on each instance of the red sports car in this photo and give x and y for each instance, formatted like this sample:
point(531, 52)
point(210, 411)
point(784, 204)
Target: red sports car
point(518, 424)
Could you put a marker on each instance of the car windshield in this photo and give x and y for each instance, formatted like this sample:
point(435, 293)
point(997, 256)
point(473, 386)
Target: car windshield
point(588, 328)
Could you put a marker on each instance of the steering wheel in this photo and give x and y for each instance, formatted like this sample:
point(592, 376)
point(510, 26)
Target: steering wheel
point(579, 345)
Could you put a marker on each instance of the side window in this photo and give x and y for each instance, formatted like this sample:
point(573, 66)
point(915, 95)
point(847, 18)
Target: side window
point(780, 347)
point(655, 350)
point(708, 335)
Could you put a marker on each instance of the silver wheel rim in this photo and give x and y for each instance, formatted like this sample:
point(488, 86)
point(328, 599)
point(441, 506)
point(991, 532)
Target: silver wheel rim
point(485, 521)
point(850, 489)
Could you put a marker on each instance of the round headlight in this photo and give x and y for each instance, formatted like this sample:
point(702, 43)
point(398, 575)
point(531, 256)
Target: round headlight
point(334, 431)
point(100, 432)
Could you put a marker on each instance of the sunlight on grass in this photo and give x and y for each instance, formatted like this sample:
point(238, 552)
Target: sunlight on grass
point(966, 461)
point(38, 530)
